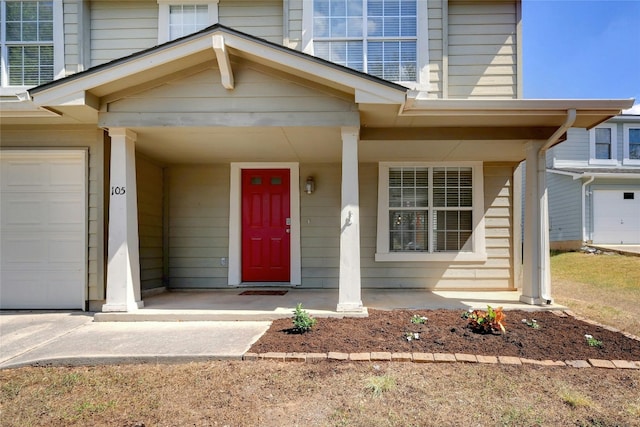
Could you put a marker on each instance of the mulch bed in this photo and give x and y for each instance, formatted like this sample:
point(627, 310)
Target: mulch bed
point(557, 338)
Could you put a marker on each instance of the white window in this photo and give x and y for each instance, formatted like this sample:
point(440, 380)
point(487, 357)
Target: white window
point(430, 212)
point(383, 38)
point(631, 144)
point(603, 145)
point(31, 43)
point(178, 18)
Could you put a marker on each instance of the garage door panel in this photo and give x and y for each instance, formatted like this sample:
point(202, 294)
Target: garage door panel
point(616, 217)
point(44, 229)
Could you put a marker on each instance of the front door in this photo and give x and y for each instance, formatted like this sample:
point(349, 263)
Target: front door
point(266, 224)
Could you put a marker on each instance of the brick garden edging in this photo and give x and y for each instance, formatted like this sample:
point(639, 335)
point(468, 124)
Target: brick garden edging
point(453, 357)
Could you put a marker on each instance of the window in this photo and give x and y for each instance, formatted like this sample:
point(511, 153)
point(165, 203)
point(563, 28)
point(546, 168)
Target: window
point(178, 18)
point(378, 37)
point(430, 212)
point(603, 145)
point(631, 144)
point(31, 54)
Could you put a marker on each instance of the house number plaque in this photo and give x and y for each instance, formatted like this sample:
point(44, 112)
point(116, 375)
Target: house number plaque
point(118, 191)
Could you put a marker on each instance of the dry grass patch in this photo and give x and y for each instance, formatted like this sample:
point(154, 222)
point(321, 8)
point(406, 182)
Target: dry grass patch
point(270, 393)
point(605, 288)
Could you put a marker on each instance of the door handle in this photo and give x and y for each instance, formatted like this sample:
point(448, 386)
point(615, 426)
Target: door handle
point(288, 230)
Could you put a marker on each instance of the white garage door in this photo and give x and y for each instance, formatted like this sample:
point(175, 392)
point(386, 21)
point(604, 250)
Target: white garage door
point(43, 255)
point(616, 217)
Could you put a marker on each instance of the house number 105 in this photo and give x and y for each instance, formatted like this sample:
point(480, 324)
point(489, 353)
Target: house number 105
point(118, 191)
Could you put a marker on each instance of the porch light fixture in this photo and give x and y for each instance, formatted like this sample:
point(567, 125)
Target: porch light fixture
point(310, 185)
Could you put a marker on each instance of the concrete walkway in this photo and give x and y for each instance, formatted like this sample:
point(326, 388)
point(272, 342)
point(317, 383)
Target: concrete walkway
point(72, 338)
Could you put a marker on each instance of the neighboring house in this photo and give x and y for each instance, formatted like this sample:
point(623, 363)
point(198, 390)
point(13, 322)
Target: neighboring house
point(594, 185)
point(202, 144)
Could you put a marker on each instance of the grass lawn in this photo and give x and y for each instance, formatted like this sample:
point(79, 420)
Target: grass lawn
point(268, 393)
point(605, 288)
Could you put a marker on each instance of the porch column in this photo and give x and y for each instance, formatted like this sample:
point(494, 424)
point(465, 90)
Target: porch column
point(536, 284)
point(123, 268)
point(349, 298)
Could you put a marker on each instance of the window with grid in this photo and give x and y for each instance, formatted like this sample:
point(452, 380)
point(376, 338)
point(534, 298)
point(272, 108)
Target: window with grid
point(27, 42)
point(378, 37)
point(603, 143)
point(430, 209)
point(185, 19)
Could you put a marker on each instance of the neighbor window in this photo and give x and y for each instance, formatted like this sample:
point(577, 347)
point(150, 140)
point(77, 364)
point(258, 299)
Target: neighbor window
point(180, 18)
point(632, 144)
point(378, 37)
point(429, 212)
point(29, 54)
point(603, 145)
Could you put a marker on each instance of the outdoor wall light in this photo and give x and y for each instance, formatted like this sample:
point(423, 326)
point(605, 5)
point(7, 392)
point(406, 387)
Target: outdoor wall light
point(309, 185)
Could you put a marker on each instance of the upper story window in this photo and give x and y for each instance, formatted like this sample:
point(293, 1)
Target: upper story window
point(631, 144)
point(430, 212)
point(378, 37)
point(603, 144)
point(178, 18)
point(31, 43)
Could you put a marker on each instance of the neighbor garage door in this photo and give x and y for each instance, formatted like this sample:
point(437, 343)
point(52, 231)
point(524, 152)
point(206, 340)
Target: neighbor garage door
point(43, 261)
point(616, 217)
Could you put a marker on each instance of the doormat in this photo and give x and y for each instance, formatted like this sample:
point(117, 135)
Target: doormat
point(263, 292)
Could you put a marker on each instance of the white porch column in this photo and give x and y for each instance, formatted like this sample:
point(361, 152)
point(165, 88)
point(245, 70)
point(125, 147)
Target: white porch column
point(349, 298)
point(536, 284)
point(123, 268)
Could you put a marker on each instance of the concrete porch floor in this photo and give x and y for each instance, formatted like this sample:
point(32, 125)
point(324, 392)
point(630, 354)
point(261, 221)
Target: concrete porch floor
point(228, 304)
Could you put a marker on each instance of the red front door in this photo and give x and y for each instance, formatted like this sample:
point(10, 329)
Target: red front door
point(265, 225)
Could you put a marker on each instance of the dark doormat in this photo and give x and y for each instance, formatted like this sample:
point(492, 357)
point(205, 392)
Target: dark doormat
point(263, 292)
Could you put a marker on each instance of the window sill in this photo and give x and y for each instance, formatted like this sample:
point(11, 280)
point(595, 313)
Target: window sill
point(431, 257)
point(631, 162)
point(603, 162)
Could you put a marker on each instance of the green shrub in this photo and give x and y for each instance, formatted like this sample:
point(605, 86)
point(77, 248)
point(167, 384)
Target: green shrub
point(302, 321)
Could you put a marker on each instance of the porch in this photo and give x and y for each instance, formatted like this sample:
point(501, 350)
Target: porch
point(269, 304)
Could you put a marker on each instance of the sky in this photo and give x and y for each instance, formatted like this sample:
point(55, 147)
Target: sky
point(577, 49)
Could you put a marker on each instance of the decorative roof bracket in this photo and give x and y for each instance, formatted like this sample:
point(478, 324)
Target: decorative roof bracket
point(222, 55)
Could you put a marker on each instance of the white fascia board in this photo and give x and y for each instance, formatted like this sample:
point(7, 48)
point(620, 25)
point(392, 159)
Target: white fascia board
point(613, 175)
point(382, 94)
point(419, 104)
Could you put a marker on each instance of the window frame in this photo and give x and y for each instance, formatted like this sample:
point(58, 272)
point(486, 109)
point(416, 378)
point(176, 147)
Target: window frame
point(163, 14)
point(626, 135)
point(422, 42)
point(613, 160)
point(478, 244)
point(58, 48)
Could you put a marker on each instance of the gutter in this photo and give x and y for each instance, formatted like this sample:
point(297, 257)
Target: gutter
point(584, 206)
point(543, 266)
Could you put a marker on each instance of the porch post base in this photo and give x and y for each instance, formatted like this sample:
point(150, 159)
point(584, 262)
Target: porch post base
point(122, 308)
point(534, 301)
point(350, 307)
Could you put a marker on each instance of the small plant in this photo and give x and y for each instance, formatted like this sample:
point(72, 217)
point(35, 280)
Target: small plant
point(380, 384)
point(410, 336)
point(533, 323)
point(302, 321)
point(486, 322)
point(592, 341)
point(419, 320)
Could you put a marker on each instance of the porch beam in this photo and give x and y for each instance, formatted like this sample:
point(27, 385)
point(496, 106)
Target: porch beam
point(222, 55)
point(263, 119)
point(349, 298)
point(123, 267)
point(475, 133)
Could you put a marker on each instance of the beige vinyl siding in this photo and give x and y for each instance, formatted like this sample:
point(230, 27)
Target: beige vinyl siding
point(71, 28)
point(120, 28)
point(482, 59)
point(495, 273)
point(149, 178)
point(260, 18)
point(44, 137)
point(198, 225)
point(320, 226)
point(295, 24)
point(436, 48)
point(255, 92)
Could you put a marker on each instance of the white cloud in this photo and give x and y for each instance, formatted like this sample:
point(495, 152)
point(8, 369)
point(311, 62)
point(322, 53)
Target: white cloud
point(633, 110)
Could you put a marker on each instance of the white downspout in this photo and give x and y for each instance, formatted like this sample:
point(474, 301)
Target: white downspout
point(544, 265)
point(584, 207)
